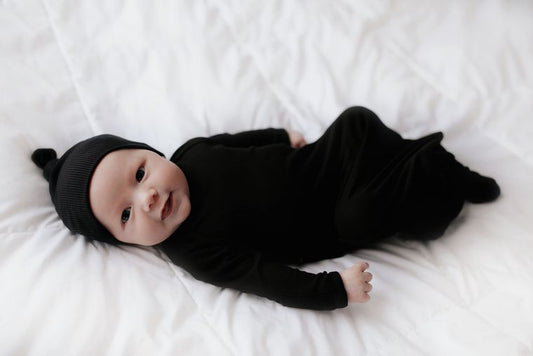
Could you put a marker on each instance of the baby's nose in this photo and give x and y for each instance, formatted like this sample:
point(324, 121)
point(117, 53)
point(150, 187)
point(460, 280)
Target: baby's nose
point(149, 198)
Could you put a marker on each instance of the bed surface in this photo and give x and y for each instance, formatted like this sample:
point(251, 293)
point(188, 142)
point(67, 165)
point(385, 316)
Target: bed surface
point(163, 72)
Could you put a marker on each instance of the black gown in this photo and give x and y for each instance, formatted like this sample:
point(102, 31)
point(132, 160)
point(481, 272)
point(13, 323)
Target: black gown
point(259, 207)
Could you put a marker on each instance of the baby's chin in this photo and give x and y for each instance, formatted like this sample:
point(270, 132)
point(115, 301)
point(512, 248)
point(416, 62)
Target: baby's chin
point(154, 242)
point(141, 241)
point(161, 240)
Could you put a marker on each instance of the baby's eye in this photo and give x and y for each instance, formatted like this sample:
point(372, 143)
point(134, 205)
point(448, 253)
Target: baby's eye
point(140, 174)
point(125, 215)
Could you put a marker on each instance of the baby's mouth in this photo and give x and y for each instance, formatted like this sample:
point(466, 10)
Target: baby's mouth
point(167, 208)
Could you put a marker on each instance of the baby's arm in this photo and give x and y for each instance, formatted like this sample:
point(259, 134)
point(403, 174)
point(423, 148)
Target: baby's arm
point(214, 262)
point(260, 138)
point(357, 282)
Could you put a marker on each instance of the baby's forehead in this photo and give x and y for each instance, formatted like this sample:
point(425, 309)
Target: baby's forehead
point(109, 180)
point(117, 165)
point(115, 162)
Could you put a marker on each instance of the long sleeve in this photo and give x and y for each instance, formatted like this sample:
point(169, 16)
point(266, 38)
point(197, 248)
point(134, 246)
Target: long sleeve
point(244, 270)
point(252, 138)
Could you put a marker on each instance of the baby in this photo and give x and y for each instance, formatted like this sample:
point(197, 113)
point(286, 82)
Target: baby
point(241, 210)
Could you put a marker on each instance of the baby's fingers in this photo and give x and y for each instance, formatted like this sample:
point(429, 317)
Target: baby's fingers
point(362, 266)
point(364, 296)
point(367, 287)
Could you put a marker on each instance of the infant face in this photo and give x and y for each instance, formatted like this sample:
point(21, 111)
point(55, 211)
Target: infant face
point(139, 196)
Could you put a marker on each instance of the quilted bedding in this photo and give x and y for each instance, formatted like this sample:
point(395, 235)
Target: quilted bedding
point(165, 71)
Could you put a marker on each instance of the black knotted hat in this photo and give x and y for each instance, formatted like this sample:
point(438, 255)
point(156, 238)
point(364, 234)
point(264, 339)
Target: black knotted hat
point(70, 176)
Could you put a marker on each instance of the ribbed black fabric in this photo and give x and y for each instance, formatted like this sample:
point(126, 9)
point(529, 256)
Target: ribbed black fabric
point(259, 206)
point(69, 180)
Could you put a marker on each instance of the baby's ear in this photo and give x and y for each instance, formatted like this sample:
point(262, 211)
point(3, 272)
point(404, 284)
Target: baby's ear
point(46, 159)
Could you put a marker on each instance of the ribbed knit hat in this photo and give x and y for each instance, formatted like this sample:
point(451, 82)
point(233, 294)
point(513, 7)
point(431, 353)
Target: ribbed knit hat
point(69, 180)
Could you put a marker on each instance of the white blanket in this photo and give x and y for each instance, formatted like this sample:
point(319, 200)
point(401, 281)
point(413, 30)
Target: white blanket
point(164, 71)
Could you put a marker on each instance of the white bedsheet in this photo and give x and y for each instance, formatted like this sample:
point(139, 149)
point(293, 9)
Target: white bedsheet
point(165, 71)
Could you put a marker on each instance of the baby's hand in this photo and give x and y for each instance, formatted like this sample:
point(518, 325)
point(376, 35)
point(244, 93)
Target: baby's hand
point(357, 282)
point(296, 138)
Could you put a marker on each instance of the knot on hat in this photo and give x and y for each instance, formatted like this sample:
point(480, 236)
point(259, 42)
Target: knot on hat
point(46, 159)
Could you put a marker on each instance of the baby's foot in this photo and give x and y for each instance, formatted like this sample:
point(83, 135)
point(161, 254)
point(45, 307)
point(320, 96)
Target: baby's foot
point(480, 189)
